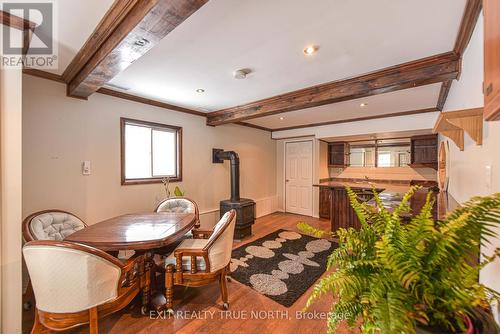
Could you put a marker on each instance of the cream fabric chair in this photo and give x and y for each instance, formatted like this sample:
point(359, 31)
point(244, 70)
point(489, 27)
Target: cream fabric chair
point(74, 284)
point(175, 205)
point(179, 205)
point(51, 225)
point(197, 262)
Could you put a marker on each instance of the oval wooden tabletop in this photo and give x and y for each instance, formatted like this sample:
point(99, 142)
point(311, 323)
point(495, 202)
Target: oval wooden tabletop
point(135, 231)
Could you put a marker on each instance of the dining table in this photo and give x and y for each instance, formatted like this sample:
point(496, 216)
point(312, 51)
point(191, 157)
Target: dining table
point(141, 232)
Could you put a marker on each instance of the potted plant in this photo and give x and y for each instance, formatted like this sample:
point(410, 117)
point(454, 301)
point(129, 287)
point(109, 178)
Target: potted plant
point(177, 191)
point(415, 277)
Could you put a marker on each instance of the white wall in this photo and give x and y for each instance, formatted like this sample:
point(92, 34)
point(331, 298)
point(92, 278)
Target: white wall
point(468, 168)
point(10, 199)
point(60, 132)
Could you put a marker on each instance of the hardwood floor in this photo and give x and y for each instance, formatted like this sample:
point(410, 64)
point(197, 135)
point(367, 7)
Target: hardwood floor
point(198, 310)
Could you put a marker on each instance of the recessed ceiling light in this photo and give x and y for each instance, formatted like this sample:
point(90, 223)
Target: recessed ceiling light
point(311, 49)
point(363, 105)
point(282, 118)
point(200, 90)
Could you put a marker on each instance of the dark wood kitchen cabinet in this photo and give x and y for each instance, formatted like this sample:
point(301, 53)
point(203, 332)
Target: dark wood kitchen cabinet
point(424, 151)
point(325, 197)
point(491, 9)
point(338, 154)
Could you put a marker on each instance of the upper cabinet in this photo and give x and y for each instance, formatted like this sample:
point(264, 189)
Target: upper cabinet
point(424, 151)
point(491, 10)
point(338, 155)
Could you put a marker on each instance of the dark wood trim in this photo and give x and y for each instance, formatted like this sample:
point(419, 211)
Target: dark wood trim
point(16, 21)
point(113, 17)
point(178, 129)
point(142, 27)
point(43, 74)
point(443, 94)
point(155, 103)
point(469, 19)
point(110, 92)
point(19, 23)
point(311, 136)
point(420, 72)
point(27, 235)
point(403, 113)
point(250, 125)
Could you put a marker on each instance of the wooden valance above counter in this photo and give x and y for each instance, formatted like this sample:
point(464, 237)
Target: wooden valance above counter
point(342, 215)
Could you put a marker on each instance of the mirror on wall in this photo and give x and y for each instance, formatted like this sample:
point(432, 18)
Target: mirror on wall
point(380, 153)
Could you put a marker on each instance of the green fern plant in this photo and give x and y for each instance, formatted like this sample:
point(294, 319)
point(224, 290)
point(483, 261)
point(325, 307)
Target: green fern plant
point(390, 276)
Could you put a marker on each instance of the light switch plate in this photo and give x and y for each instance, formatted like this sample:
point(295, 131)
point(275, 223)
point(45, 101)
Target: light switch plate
point(86, 167)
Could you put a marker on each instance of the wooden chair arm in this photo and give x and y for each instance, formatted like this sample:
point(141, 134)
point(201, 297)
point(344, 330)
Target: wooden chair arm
point(201, 234)
point(180, 252)
point(193, 254)
point(130, 270)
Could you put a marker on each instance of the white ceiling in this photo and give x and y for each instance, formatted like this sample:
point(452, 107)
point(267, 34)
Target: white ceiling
point(76, 20)
point(403, 100)
point(355, 37)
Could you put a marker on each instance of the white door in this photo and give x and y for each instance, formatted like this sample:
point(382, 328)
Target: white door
point(298, 177)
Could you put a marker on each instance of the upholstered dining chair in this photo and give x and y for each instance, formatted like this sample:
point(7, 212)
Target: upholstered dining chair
point(180, 205)
point(51, 225)
point(202, 260)
point(176, 205)
point(75, 284)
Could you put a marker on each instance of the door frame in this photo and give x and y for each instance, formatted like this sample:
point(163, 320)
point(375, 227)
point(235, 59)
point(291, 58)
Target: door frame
point(298, 140)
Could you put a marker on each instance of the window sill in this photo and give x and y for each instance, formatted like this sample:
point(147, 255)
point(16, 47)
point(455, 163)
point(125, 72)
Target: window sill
point(129, 182)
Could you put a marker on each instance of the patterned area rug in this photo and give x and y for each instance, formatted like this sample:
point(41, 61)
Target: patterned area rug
point(282, 265)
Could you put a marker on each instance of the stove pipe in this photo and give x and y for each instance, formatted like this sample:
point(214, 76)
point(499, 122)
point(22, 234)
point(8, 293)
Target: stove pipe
point(218, 157)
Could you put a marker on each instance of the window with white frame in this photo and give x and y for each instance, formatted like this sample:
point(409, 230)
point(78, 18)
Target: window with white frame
point(150, 152)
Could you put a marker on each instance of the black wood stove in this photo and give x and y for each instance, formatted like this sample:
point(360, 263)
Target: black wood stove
point(245, 208)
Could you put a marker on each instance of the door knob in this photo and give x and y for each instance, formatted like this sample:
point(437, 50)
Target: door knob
point(287, 180)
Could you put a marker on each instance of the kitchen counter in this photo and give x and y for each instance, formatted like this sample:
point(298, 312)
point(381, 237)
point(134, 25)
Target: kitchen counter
point(445, 203)
point(342, 215)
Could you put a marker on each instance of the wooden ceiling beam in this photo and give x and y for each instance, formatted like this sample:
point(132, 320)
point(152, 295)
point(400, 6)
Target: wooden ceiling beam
point(129, 30)
point(16, 22)
point(438, 68)
point(443, 94)
point(113, 17)
point(469, 20)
